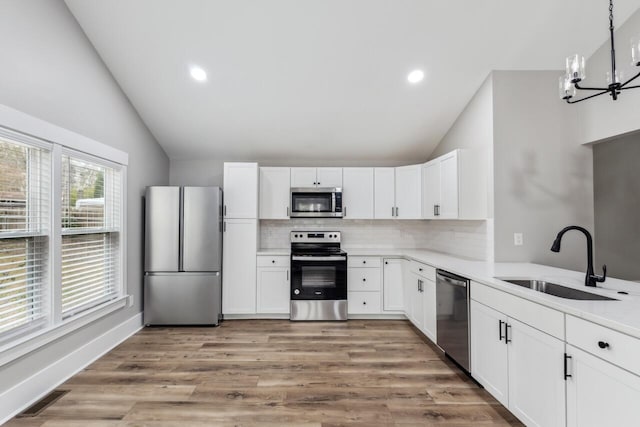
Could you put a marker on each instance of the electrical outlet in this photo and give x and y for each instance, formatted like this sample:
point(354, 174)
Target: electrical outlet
point(130, 301)
point(518, 239)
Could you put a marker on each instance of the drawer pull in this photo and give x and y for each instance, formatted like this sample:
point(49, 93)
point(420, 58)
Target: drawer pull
point(603, 344)
point(364, 303)
point(419, 269)
point(364, 261)
point(273, 261)
point(364, 279)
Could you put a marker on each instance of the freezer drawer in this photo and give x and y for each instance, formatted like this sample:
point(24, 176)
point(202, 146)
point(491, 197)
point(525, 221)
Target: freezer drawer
point(182, 298)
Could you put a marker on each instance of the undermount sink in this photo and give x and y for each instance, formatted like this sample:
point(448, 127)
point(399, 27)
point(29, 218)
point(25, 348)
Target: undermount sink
point(557, 290)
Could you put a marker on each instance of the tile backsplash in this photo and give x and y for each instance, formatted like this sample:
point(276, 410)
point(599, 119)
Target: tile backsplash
point(469, 239)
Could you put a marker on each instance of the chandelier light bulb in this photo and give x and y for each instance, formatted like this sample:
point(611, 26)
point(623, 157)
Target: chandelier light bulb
point(567, 89)
point(635, 51)
point(576, 68)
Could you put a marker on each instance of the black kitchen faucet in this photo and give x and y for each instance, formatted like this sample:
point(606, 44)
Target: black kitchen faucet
point(591, 278)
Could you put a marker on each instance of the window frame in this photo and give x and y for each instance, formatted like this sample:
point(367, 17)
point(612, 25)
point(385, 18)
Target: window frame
point(22, 128)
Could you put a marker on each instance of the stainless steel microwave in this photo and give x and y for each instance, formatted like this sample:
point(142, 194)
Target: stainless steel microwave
point(316, 202)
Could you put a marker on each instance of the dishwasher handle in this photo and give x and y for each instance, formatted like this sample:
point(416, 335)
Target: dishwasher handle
point(454, 281)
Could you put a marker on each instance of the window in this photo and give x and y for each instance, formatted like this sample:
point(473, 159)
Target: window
point(24, 218)
point(90, 234)
point(60, 235)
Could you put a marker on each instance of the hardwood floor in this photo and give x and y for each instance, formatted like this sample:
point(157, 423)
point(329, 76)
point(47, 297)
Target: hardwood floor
point(274, 373)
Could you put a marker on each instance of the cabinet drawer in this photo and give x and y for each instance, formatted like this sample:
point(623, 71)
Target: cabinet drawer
point(423, 270)
point(364, 261)
point(363, 302)
point(535, 315)
point(619, 349)
point(273, 261)
point(363, 279)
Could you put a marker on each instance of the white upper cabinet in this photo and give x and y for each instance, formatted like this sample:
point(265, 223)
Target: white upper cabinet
point(408, 189)
point(329, 177)
point(316, 177)
point(357, 193)
point(454, 186)
point(385, 190)
point(430, 188)
point(240, 190)
point(449, 186)
point(303, 177)
point(275, 191)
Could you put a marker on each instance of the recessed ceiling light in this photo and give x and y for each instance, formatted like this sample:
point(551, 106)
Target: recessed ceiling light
point(415, 76)
point(198, 74)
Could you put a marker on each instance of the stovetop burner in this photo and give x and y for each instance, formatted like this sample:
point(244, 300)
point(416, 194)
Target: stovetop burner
point(316, 243)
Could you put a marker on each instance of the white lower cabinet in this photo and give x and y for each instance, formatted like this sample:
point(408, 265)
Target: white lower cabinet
point(600, 393)
point(273, 289)
point(429, 309)
point(522, 367)
point(392, 284)
point(240, 238)
point(414, 300)
point(364, 277)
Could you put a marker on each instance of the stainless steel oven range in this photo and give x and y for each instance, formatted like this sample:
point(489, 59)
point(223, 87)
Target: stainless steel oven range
point(318, 276)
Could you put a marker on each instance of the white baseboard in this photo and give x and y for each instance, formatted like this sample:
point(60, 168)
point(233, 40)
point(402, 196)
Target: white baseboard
point(34, 388)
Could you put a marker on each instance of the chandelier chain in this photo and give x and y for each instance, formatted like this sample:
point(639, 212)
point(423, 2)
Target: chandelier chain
point(611, 14)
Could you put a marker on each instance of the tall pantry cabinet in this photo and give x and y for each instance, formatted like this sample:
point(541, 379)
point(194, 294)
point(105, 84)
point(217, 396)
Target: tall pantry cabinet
point(240, 238)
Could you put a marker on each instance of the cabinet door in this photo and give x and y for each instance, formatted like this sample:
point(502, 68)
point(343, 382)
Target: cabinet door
point(357, 193)
point(393, 294)
point(240, 239)
point(303, 177)
point(240, 190)
point(536, 376)
point(329, 177)
point(449, 186)
point(429, 310)
point(409, 192)
point(488, 350)
point(275, 191)
point(417, 301)
point(273, 290)
point(430, 189)
point(385, 190)
point(599, 393)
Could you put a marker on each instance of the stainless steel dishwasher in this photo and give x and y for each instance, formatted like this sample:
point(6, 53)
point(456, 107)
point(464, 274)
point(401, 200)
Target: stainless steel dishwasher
point(452, 297)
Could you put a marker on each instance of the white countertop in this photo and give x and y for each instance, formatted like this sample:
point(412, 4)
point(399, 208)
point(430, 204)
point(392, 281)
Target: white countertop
point(622, 315)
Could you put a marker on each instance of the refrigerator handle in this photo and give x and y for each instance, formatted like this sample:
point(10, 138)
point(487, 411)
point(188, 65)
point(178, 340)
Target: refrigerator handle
point(181, 231)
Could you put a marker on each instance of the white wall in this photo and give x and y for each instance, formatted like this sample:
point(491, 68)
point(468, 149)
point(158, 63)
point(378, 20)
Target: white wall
point(543, 177)
point(50, 71)
point(601, 117)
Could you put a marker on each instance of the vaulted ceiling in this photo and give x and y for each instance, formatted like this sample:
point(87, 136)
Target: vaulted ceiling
point(325, 79)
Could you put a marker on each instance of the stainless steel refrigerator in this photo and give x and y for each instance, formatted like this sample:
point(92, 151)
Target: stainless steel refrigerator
point(183, 256)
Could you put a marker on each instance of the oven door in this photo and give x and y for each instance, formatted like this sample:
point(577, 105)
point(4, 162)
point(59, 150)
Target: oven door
point(318, 278)
point(316, 203)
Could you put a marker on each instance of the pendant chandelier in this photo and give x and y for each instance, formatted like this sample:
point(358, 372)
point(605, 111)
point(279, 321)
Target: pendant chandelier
point(575, 65)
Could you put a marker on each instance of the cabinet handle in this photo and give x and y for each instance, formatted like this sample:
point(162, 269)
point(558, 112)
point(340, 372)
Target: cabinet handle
point(287, 275)
point(392, 211)
point(364, 279)
point(500, 329)
point(225, 210)
point(397, 214)
point(364, 261)
point(566, 368)
point(386, 262)
point(506, 333)
point(224, 227)
point(273, 261)
point(344, 211)
point(318, 183)
point(287, 210)
point(603, 344)
point(419, 269)
point(364, 303)
point(435, 212)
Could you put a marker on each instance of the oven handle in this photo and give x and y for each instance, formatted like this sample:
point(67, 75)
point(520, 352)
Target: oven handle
point(318, 258)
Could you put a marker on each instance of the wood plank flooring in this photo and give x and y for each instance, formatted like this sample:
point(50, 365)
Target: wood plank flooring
point(274, 373)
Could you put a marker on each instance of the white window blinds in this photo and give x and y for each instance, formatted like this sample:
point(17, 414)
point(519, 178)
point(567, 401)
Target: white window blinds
point(25, 188)
point(90, 233)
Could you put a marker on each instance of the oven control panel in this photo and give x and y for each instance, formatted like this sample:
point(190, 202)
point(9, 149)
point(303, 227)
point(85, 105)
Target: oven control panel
point(315, 237)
